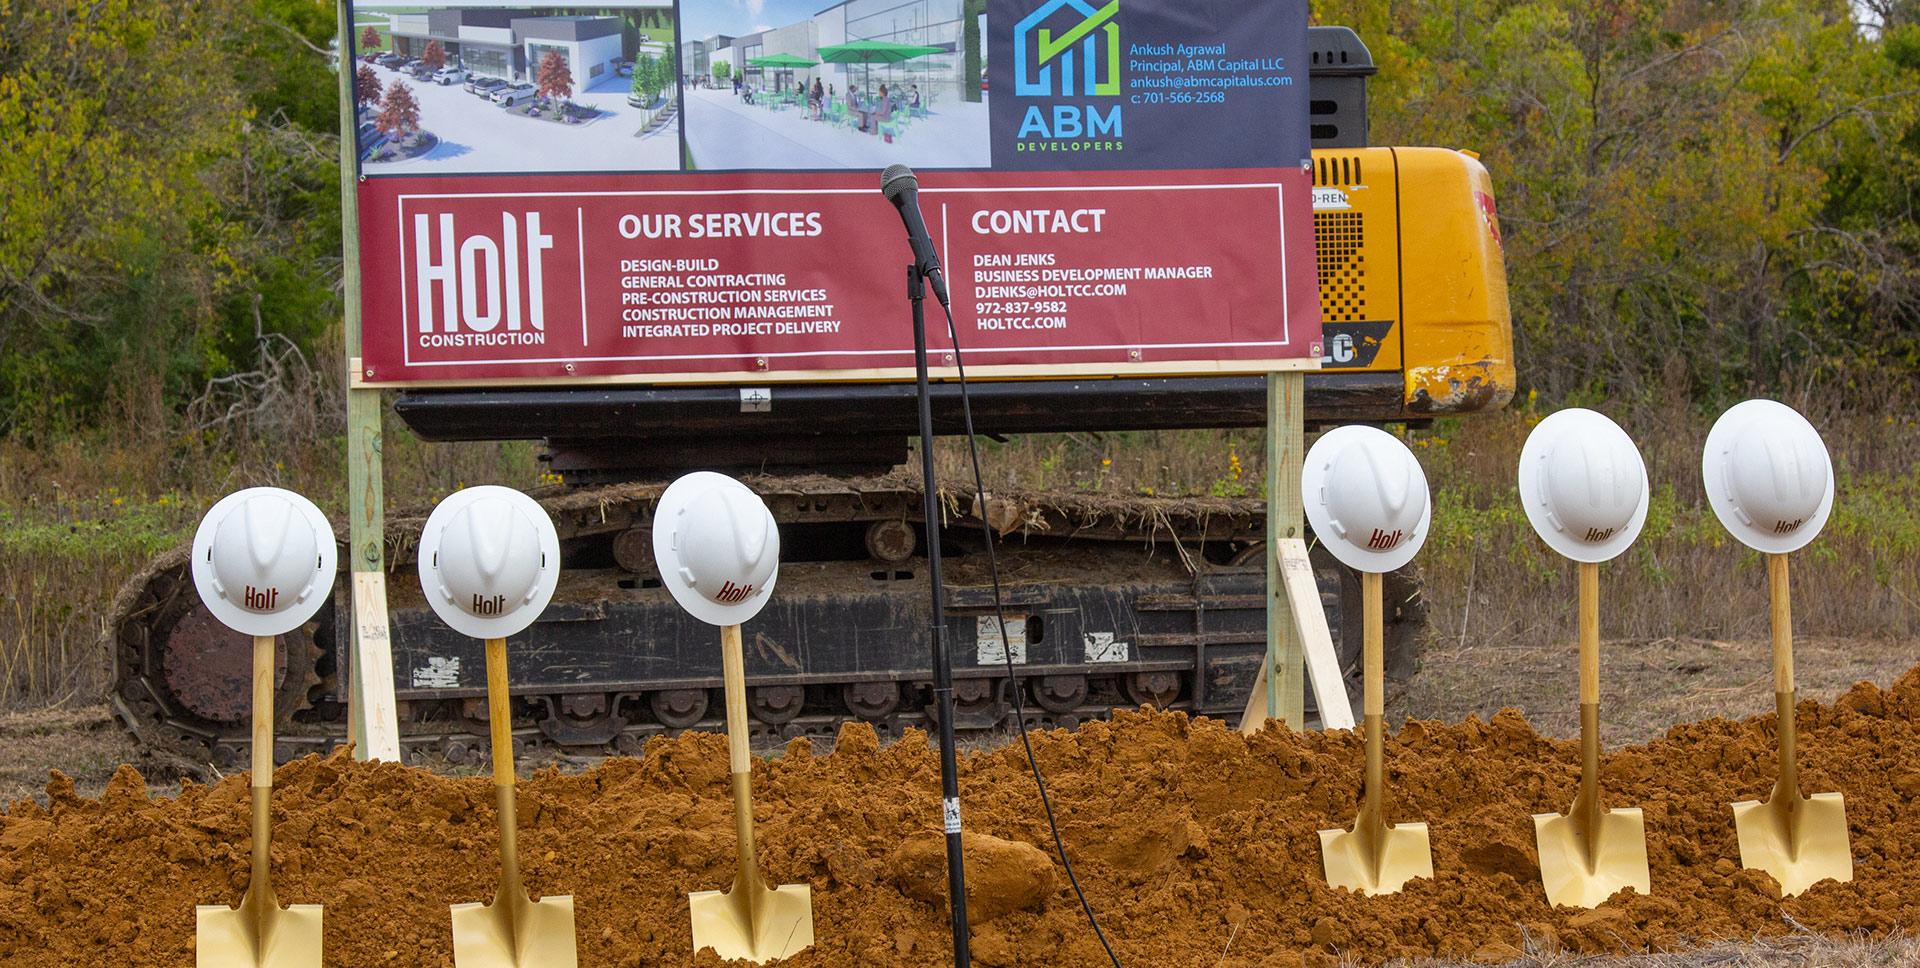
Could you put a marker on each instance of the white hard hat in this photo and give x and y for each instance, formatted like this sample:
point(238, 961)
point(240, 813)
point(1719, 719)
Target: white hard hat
point(717, 546)
point(489, 561)
point(1768, 476)
point(1584, 485)
point(263, 560)
point(1366, 498)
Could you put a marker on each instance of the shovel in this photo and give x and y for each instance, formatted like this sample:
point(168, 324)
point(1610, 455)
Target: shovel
point(259, 932)
point(1800, 840)
point(753, 921)
point(1590, 852)
point(514, 931)
point(1375, 857)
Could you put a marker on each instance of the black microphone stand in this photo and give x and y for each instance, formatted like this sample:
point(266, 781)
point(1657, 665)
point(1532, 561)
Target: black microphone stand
point(942, 660)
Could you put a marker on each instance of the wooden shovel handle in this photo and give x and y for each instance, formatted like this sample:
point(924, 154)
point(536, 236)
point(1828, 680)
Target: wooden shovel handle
point(499, 717)
point(1782, 602)
point(263, 710)
point(259, 886)
point(1589, 633)
point(740, 758)
point(733, 667)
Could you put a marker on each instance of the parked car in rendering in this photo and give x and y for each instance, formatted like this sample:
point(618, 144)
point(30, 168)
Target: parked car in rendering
point(513, 94)
point(483, 86)
point(449, 75)
point(391, 61)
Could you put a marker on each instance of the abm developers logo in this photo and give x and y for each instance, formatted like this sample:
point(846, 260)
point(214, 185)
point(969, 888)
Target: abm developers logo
point(1068, 49)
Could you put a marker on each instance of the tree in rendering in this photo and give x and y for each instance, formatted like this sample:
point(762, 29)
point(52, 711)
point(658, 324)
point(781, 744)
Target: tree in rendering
point(643, 82)
point(369, 39)
point(366, 87)
point(973, 62)
point(721, 70)
point(555, 80)
point(400, 114)
point(435, 56)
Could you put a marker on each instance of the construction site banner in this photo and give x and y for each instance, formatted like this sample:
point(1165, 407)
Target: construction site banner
point(682, 193)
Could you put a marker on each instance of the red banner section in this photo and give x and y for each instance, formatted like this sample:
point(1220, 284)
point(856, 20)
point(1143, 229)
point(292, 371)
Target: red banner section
point(771, 277)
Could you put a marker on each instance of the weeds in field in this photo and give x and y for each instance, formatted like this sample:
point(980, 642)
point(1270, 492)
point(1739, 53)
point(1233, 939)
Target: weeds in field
point(81, 514)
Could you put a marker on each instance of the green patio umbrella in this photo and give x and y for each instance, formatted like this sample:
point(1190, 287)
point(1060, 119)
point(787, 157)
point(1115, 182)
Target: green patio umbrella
point(782, 62)
point(875, 52)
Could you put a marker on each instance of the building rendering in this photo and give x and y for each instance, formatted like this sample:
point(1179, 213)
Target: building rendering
point(510, 44)
point(921, 23)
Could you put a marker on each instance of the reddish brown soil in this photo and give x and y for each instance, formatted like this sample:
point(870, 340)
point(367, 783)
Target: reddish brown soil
point(1181, 831)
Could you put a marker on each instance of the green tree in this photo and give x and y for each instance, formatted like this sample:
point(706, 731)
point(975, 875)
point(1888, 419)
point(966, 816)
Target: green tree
point(974, 62)
point(1694, 197)
point(722, 70)
point(645, 79)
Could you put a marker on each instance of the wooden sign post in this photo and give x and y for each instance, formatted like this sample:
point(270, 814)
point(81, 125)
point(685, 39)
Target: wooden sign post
point(372, 721)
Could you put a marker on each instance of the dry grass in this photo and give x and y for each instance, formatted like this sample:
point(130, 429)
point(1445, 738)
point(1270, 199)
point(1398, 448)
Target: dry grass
point(78, 515)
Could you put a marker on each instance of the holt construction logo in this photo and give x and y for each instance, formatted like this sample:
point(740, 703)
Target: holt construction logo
point(480, 278)
point(1385, 540)
point(261, 600)
point(1067, 55)
point(731, 593)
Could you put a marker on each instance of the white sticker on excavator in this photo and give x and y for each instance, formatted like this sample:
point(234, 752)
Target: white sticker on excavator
point(987, 641)
point(1102, 648)
point(1325, 199)
point(439, 673)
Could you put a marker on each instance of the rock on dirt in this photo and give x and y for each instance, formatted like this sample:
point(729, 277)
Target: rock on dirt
point(1003, 876)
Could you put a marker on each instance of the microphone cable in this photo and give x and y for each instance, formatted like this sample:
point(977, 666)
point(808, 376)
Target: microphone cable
point(1006, 647)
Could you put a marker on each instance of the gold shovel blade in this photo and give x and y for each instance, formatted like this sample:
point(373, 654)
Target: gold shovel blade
point(1404, 855)
point(1816, 850)
point(484, 936)
point(1620, 862)
point(223, 937)
point(780, 924)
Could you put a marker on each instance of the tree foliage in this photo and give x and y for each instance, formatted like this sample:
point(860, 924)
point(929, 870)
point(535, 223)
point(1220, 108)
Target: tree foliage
point(366, 86)
point(555, 80)
point(1703, 197)
point(369, 39)
point(399, 112)
point(162, 203)
point(435, 56)
point(649, 77)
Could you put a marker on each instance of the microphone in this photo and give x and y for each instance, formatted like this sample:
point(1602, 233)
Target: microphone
point(903, 190)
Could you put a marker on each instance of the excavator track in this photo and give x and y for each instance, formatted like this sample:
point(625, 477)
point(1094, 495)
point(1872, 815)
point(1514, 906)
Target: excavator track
point(1111, 602)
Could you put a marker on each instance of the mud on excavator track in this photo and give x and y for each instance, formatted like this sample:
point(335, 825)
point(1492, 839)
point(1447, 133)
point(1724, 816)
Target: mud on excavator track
point(1111, 601)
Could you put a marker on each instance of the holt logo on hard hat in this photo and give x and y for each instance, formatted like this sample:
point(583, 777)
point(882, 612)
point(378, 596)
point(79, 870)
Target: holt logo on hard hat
point(1366, 498)
point(263, 560)
point(1768, 476)
point(1583, 485)
point(489, 561)
point(718, 547)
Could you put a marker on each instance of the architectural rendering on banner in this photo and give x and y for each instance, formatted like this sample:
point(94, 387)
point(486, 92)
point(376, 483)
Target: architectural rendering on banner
point(490, 88)
point(860, 84)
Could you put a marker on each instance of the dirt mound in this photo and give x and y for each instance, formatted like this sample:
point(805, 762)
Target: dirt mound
point(1181, 831)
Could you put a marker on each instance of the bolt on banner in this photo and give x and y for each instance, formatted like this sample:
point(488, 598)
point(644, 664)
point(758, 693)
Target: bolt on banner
point(656, 193)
